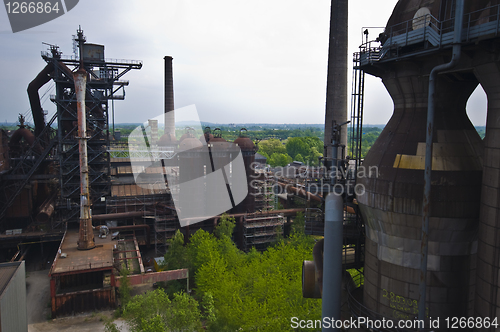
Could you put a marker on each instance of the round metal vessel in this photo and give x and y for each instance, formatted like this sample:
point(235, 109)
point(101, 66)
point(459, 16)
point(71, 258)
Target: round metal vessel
point(248, 151)
point(392, 205)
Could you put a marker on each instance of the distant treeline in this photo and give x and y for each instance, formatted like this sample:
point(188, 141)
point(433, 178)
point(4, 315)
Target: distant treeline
point(275, 138)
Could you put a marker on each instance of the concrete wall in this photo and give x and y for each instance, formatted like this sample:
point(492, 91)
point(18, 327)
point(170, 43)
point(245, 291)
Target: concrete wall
point(13, 312)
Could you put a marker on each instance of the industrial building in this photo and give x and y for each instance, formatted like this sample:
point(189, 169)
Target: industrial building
point(423, 232)
point(430, 212)
point(70, 180)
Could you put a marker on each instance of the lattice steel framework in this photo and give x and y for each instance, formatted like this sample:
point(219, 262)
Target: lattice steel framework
point(103, 84)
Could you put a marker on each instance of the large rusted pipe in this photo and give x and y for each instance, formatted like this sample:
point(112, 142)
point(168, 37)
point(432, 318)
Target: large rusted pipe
point(36, 108)
point(46, 210)
point(302, 192)
point(122, 215)
point(86, 237)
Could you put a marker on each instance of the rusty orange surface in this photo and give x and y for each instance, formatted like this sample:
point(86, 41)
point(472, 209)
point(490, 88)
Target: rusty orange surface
point(77, 260)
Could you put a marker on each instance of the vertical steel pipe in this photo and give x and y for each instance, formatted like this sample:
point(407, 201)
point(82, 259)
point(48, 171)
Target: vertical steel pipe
point(86, 238)
point(457, 48)
point(332, 258)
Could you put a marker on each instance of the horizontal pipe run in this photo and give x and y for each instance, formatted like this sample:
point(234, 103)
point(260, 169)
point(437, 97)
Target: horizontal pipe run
point(121, 215)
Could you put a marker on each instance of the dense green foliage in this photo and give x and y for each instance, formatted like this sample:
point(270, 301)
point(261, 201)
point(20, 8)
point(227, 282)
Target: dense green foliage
point(155, 312)
point(303, 149)
point(369, 136)
point(255, 291)
point(233, 290)
point(306, 148)
point(124, 288)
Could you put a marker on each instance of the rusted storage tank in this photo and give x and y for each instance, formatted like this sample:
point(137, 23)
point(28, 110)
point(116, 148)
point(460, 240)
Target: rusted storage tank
point(248, 151)
point(192, 165)
point(207, 135)
point(167, 140)
point(394, 183)
point(22, 139)
point(220, 150)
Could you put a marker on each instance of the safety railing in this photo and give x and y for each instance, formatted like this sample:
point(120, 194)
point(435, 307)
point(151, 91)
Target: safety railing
point(431, 33)
point(49, 55)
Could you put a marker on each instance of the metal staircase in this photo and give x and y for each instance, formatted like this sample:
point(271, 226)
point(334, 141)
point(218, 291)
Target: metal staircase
point(358, 88)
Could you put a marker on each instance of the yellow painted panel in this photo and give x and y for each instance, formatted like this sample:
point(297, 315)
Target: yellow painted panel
point(396, 161)
point(441, 163)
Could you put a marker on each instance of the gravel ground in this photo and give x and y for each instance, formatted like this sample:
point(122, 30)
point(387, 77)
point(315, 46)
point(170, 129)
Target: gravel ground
point(38, 300)
point(83, 323)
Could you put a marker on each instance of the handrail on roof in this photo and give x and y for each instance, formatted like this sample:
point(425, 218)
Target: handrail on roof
point(429, 29)
point(107, 60)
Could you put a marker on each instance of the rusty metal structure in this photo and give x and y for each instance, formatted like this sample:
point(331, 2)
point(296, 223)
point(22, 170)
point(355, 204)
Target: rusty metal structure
point(86, 238)
point(248, 150)
point(431, 56)
point(53, 155)
point(69, 176)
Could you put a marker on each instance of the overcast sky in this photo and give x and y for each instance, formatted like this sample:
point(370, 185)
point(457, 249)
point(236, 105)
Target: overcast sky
point(238, 61)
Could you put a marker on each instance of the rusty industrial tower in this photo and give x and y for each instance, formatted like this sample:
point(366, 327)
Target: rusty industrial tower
point(431, 215)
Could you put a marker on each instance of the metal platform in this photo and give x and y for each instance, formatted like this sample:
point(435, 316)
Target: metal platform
point(101, 257)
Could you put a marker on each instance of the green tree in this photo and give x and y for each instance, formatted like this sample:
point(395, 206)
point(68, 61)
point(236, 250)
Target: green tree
point(202, 247)
point(308, 148)
point(208, 309)
point(295, 146)
point(251, 291)
point(313, 156)
point(257, 291)
point(271, 146)
point(279, 159)
point(298, 224)
point(225, 226)
point(155, 312)
point(176, 256)
point(124, 288)
point(299, 157)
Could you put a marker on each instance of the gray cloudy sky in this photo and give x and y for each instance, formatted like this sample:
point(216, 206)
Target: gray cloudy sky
point(238, 61)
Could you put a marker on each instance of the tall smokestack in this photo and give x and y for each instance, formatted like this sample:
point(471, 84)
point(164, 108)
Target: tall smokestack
point(86, 238)
point(169, 97)
point(336, 86)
